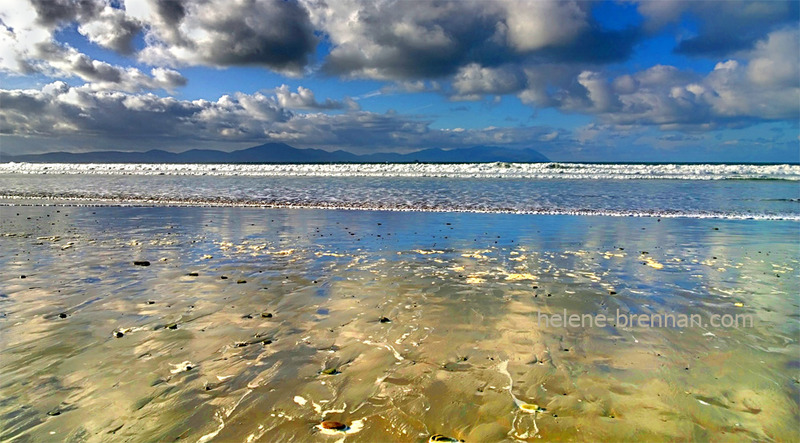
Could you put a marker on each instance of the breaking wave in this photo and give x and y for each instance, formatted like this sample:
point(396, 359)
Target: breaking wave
point(498, 170)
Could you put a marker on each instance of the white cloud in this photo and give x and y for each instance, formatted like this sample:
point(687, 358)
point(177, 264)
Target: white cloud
point(763, 84)
point(60, 112)
point(536, 25)
point(28, 45)
point(304, 99)
point(473, 81)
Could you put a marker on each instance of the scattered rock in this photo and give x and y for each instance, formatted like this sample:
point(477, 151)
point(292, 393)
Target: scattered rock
point(62, 315)
point(330, 371)
point(119, 334)
point(223, 277)
point(266, 315)
point(141, 263)
point(171, 326)
point(239, 282)
point(193, 274)
point(385, 320)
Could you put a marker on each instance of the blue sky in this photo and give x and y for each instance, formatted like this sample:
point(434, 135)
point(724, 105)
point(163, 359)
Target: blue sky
point(578, 81)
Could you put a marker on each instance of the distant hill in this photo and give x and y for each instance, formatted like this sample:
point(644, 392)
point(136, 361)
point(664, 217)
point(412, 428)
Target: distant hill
point(283, 153)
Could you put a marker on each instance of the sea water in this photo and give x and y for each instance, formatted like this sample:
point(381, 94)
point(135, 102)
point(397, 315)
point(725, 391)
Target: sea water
point(661, 190)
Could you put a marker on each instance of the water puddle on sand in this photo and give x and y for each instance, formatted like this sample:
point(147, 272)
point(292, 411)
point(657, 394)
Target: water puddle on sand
point(312, 325)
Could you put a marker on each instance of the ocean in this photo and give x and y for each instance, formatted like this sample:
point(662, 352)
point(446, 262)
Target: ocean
point(660, 190)
point(372, 303)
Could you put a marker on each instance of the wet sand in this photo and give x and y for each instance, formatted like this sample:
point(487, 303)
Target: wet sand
point(242, 324)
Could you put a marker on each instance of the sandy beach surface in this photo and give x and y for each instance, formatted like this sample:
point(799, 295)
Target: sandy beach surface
point(248, 324)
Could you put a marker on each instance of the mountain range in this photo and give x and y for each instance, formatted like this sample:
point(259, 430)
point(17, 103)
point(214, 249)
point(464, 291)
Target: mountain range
point(283, 153)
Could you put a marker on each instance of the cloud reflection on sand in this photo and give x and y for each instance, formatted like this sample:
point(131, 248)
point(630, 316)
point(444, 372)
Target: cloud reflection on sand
point(456, 356)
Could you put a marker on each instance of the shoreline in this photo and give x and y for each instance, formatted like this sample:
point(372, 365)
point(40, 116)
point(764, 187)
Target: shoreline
point(17, 201)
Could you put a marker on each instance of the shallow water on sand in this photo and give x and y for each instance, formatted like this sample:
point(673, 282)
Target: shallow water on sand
point(399, 325)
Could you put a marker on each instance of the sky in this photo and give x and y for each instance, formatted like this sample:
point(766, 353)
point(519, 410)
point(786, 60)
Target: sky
point(666, 81)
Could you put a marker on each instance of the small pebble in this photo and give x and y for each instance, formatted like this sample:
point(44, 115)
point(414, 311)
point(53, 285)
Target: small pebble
point(333, 425)
point(141, 263)
point(385, 320)
point(439, 438)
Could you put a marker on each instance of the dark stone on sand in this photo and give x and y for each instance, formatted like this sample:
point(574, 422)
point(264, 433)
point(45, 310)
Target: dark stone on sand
point(612, 292)
point(150, 302)
point(54, 412)
point(193, 274)
point(329, 371)
point(266, 315)
point(141, 263)
point(223, 277)
point(439, 438)
point(239, 282)
point(23, 276)
point(119, 334)
point(333, 425)
point(62, 315)
point(385, 320)
point(247, 316)
point(171, 326)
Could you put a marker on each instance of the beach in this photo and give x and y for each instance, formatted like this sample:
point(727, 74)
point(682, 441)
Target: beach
point(162, 322)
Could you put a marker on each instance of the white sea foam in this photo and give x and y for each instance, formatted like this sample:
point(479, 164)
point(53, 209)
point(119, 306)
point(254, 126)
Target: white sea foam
point(463, 170)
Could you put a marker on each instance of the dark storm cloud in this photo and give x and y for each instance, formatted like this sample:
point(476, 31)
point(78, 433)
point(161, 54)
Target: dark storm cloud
point(412, 40)
point(273, 33)
point(595, 46)
point(171, 11)
point(55, 12)
point(457, 40)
